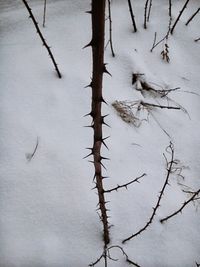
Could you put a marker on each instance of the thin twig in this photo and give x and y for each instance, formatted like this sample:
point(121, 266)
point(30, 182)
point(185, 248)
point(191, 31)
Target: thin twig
point(191, 18)
point(29, 156)
point(182, 207)
point(170, 163)
point(145, 14)
point(132, 16)
point(42, 38)
point(106, 255)
point(158, 106)
point(181, 12)
point(110, 28)
point(149, 11)
point(125, 185)
point(44, 13)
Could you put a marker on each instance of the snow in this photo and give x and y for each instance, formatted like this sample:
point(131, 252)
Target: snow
point(47, 207)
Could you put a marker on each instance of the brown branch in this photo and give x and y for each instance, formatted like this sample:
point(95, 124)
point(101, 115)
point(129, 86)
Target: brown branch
point(191, 18)
point(182, 207)
point(125, 185)
point(170, 163)
point(110, 29)
point(181, 12)
point(99, 68)
point(132, 16)
point(42, 38)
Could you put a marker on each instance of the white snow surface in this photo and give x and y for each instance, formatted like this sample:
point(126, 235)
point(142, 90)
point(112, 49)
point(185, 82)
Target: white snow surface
point(47, 208)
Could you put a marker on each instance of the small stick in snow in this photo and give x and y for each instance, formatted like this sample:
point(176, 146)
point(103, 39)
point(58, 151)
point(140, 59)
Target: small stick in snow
point(132, 16)
point(29, 156)
point(169, 169)
point(42, 38)
point(149, 11)
point(181, 12)
point(125, 185)
point(157, 106)
point(191, 18)
point(110, 28)
point(44, 13)
point(145, 14)
point(193, 198)
point(170, 8)
point(196, 40)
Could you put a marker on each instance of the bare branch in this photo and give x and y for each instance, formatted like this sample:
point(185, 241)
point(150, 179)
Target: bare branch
point(182, 207)
point(125, 185)
point(110, 28)
point(170, 163)
point(149, 10)
point(181, 12)
point(191, 18)
point(42, 38)
point(44, 13)
point(196, 40)
point(106, 255)
point(145, 13)
point(132, 16)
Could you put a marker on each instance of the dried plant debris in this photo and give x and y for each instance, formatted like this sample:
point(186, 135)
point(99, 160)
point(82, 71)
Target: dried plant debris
point(128, 111)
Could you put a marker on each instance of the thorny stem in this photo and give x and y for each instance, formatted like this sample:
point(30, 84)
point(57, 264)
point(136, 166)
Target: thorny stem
point(182, 207)
point(42, 38)
point(170, 163)
point(125, 185)
point(97, 43)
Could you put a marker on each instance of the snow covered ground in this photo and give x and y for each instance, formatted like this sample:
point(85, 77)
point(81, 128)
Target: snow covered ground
point(47, 207)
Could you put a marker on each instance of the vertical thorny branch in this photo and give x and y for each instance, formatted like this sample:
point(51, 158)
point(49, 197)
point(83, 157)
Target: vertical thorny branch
point(97, 43)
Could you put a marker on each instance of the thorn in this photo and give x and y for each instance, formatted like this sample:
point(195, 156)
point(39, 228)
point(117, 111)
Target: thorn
point(105, 70)
point(89, 114)
point(102, 100)
point(88, 12)
point(88, 155)
point(91, 43)
point(89, 126)
point(89, 85)
point(102, 165)
point(104, 158)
